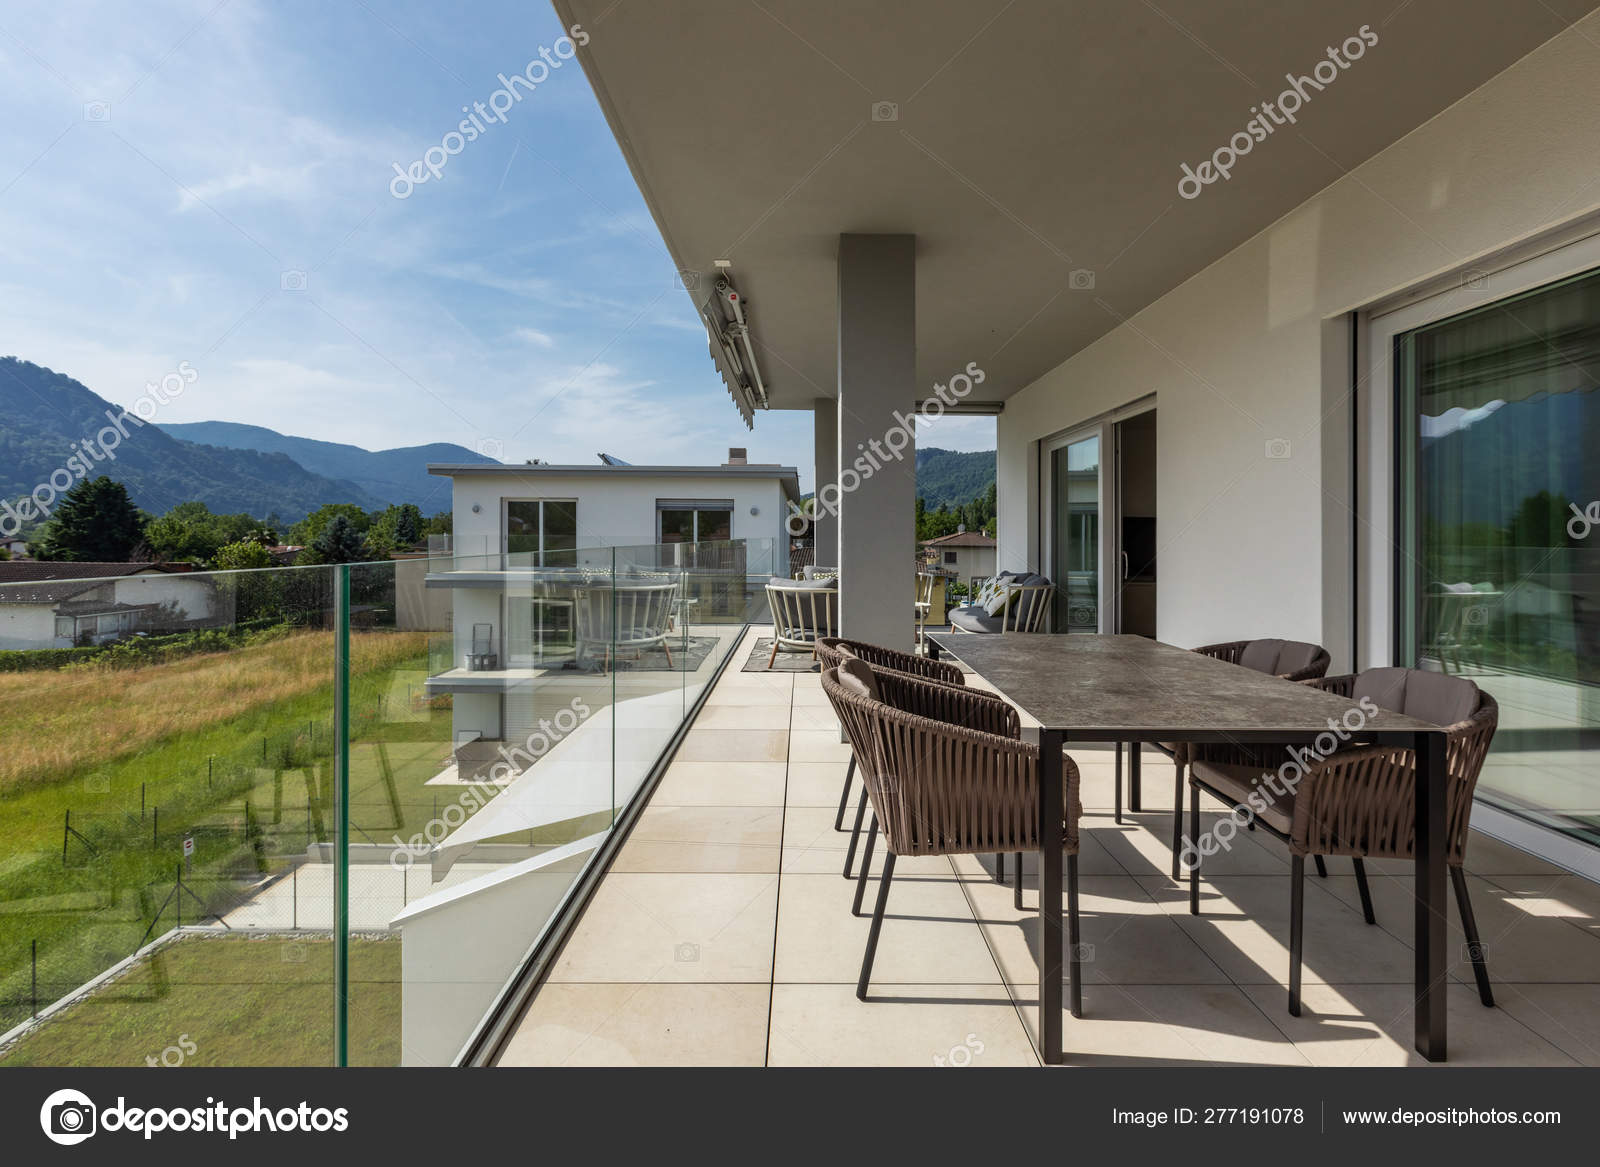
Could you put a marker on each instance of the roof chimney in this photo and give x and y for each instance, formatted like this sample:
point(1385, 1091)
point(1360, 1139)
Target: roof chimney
point(961, 528)
point(737, 456)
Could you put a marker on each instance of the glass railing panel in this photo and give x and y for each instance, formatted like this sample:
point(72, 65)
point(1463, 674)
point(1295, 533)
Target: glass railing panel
point(165, 877)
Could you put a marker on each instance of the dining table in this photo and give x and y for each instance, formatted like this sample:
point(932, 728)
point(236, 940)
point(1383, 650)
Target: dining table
point(1131, 689)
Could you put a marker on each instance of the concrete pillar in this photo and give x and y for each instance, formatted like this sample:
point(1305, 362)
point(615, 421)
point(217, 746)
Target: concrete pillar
point(825, 428)
point(877, 395)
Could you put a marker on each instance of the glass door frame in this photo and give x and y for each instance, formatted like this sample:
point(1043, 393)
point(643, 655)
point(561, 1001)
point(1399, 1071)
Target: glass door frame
point(1109, 552)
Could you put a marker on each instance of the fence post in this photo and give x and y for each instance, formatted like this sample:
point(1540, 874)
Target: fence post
point(141, 802)
point(66, 833)
point(209, 760)
point(34, 994)
point(155, 826)
point(294, 898)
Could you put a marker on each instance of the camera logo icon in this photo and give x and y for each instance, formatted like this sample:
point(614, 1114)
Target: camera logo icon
point(492, 448)
point(885, 111)
point(1080, 279)
point(1278, 449)
point(686, 952)
point(292, 281)
point(97, 111)
point(68, 1117)
point(688, 279)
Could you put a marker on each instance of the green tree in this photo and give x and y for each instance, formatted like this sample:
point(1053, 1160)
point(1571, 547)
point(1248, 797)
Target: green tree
point(242, 555)
point(338, 542)
point(95, 521)
point(309, 528)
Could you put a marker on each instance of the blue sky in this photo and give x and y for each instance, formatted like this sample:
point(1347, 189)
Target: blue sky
point(165, 164)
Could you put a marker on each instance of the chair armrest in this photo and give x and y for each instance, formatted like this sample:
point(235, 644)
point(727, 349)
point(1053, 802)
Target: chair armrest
point(905, 662)
point(952, 704)
point(1343, 686)
point(1228, 651)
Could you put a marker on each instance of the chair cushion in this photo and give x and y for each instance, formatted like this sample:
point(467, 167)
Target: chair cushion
point(1440, 699)
point(1236, 782)
point(855, 676)
point(974, 618)
point(1384, 687)
point(806, 584)
point(1296, 655)
point(1262, 655)
point(811, 570)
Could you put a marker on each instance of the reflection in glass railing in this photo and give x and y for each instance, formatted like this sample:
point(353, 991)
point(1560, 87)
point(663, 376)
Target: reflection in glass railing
point(171, 883)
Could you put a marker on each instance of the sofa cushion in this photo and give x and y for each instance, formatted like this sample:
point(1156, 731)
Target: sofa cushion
point(855, 676)
point(1236, 783)
point(975, 618)
point(1440, 699)
point(1262, 655)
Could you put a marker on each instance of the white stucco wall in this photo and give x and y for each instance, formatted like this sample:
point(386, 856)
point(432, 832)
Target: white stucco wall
point(613, 510)
point(1235, 354)
point(27, 626)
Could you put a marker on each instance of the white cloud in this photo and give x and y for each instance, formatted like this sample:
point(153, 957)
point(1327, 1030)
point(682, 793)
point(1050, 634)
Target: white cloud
point(534, 337)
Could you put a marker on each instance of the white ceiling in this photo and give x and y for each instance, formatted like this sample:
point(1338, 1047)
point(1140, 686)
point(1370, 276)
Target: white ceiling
point(1033, 139)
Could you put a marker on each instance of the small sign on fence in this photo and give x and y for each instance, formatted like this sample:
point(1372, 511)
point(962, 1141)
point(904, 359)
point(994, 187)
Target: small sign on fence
point(188, 850)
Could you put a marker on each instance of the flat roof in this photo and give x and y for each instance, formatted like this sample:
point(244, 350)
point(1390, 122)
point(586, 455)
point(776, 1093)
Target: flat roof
point(787, 475)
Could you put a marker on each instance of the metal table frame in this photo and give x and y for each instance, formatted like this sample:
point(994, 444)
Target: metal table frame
point(1430, 935)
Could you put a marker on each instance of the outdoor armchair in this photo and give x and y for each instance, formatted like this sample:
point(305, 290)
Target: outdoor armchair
point(802, 612)
point(947, 774)
point(1359, 801)
point(1293, 660)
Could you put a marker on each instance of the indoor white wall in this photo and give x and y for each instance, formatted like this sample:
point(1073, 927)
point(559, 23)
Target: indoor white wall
point(1235, 354)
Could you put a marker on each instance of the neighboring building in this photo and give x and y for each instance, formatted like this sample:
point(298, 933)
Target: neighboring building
point(17, 547)
point(63, 605)
point(968, 556)
point(517, 526)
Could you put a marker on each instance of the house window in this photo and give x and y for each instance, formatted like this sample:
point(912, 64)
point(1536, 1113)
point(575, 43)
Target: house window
point(681, 520)
point(65, 627)
point(1496, 413)
point(544, 530)
point(950, 558)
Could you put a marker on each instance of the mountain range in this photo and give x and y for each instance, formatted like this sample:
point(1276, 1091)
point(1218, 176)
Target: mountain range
point(952, 477)
point(47, 416)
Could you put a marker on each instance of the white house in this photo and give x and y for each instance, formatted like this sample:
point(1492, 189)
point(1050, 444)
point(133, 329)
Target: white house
point(62, 605)
point(968, 555)
point(515, 527)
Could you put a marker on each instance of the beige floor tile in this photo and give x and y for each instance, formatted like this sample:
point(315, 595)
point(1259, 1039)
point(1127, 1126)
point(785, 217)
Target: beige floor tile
point(819, 784)
point(642, 1025)
point(1566, 897)
point(722, 784)
point(1485, 856)
point(1525, 942)
point(1567, 1016)
point(812, 846)
point(703, 838)
point(1165, 1025)
point(1244, 928)
point(737, 689)
point(817, 746)
point(898, 1025)
point(809, 694)
point(929, 935)
point(734, 745)
point(674, 927)
point(1143, 845)
point(1126, 937)
point(1371, 1025)
point(772, 716)
point(818, 718)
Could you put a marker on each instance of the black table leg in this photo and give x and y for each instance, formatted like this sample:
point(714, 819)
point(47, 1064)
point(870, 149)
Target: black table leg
point(933, 649)
point(1051, 933)
point(1431, 906)
point(1116, 782)
point(1135, 799)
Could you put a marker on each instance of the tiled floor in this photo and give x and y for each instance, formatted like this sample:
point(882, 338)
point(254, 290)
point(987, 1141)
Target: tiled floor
point(723, 936)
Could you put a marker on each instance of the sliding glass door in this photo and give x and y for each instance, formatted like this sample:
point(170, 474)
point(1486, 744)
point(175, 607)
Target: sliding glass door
point(1497, 571)
point(1074, 551)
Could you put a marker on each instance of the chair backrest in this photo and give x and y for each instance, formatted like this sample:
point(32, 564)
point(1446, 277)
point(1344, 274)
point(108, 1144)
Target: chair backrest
point(803, 610)
point(831, 650)
point(925, 587)
point(624, 614)
point(1028, 606)
point(1471, 716)
point(1294, 660)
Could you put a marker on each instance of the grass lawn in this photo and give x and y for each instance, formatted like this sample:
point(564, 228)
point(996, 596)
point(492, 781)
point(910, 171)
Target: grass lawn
point(237, 1001)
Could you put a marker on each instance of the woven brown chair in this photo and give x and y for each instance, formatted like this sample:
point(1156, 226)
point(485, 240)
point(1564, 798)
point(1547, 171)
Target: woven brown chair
point(1293, 660)
point(947, 774)
point(833, 649)
point(1359, 801)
